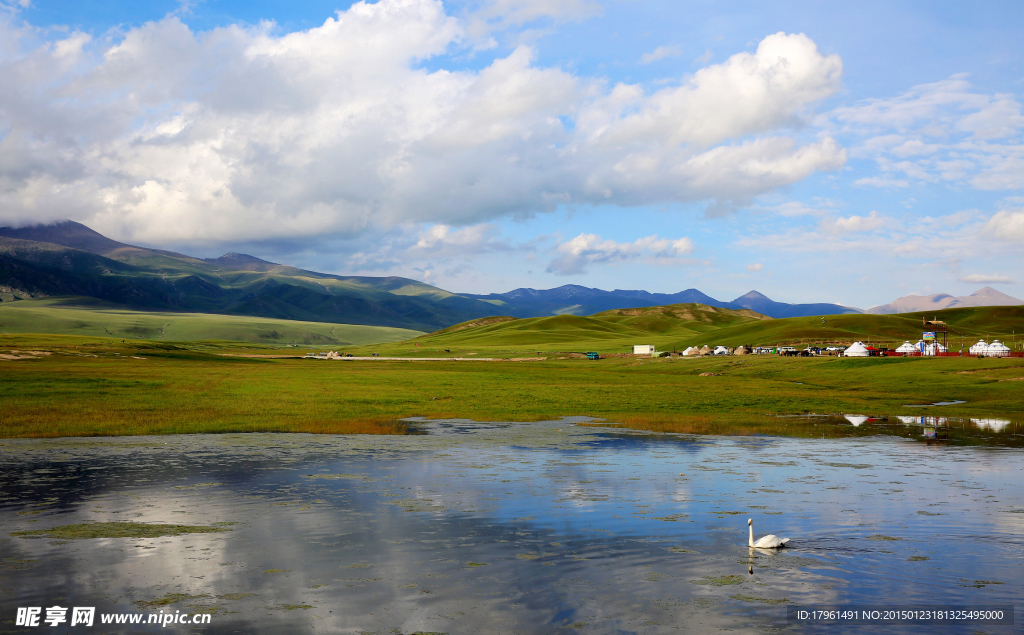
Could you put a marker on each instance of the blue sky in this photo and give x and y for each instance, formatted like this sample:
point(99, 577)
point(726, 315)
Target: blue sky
point(846, 154)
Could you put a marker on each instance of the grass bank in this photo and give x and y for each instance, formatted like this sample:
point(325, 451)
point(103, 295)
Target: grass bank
point(93, 386)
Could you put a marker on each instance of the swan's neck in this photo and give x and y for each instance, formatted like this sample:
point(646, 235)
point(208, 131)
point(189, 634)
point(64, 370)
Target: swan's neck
point(751, 535)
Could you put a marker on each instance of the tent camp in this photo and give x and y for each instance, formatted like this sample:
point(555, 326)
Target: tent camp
point(722, 350)
point(856, 349)
point(706, 350)
point(932, 348)
point(693, 350)
point(997, 349)
point(980, 348)
point(741, 350)
point(907, 347)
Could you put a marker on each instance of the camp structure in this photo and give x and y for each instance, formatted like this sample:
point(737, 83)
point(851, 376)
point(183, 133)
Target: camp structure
point(643, 349)
point(932, 348)
point(690, 352)
point(705, 350)
point(722, 350)
point(980, 348)
point(856, 349)
point(907, 347)
point(741, 350)
point(997, 349)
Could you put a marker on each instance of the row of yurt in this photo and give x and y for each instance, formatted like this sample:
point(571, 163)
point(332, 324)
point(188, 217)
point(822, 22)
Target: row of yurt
point(690, 352)
point(995, 349)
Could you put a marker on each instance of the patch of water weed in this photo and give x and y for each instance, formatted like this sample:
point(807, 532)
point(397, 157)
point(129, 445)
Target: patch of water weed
point(880, 537)
point(118, 530)
point(681, 550)
point(930, 514)
point(672, 518)
point(978, 584)
point(918, 558)
point(293, 607)
point(358, 477)
point(477, 564)
point(751, 598)
point(171, 598)
point(235, 596)
point(278, 571)
point(722, 513)
point(777, 463)
point(855, 466)
point(527, 556)
point(12, 563)
point(197, 485)
point(723, 580)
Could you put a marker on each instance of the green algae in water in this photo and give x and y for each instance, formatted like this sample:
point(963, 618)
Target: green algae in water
point(880, 537)
point(752, 598)
point(724, 580)
point(82, 531)
point(172, 598)
point(476, 564)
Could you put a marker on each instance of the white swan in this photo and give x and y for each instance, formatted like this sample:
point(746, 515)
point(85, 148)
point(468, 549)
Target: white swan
point(770, 541)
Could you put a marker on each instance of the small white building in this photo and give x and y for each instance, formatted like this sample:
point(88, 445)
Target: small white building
point(643, 349)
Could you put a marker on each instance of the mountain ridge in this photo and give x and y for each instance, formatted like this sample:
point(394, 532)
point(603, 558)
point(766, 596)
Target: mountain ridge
point(986, 296)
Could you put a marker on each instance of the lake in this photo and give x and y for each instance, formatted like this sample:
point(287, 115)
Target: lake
point(540, 527)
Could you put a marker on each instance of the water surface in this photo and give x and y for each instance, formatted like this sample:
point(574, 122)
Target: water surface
point(516, 528)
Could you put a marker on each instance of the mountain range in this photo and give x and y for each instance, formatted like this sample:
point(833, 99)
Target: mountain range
point(912, 303)
point(70, 259)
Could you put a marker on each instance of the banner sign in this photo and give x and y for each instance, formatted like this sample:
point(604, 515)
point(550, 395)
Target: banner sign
point(928, 337)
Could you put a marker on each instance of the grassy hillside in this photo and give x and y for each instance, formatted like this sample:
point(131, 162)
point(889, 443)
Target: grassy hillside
point(90, 317)
point(69, 259)
point(611, 331)
point(967, 324)
point(679, 326)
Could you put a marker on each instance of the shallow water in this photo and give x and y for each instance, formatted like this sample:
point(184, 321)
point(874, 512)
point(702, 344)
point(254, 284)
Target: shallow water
point(513, 528)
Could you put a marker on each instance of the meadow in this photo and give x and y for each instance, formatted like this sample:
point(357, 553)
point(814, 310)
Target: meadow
point(88, 316)
point(60, 385)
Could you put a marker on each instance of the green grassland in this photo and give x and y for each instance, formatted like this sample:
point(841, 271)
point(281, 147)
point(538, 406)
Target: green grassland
point(88, 316)
point(98, 386)
point(676, 327)
point(610, 331)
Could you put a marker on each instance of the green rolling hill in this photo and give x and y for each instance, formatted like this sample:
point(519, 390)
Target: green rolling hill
point(91, 317)
point(676, 327)
point(69, 259)
point(610, 331)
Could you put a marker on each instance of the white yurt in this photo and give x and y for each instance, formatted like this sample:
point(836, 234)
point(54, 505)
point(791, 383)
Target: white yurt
point(706, 350)
point(997, 349)
point(690, 352)
point(741, 350)
point(980, 348)
point(722, 350)
point(856, 350)
point(907, 347)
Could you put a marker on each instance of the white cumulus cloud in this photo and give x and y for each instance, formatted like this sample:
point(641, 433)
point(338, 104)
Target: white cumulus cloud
point(577, 254)
point(979, 278)
point(239, 133)
point(1006, 225)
